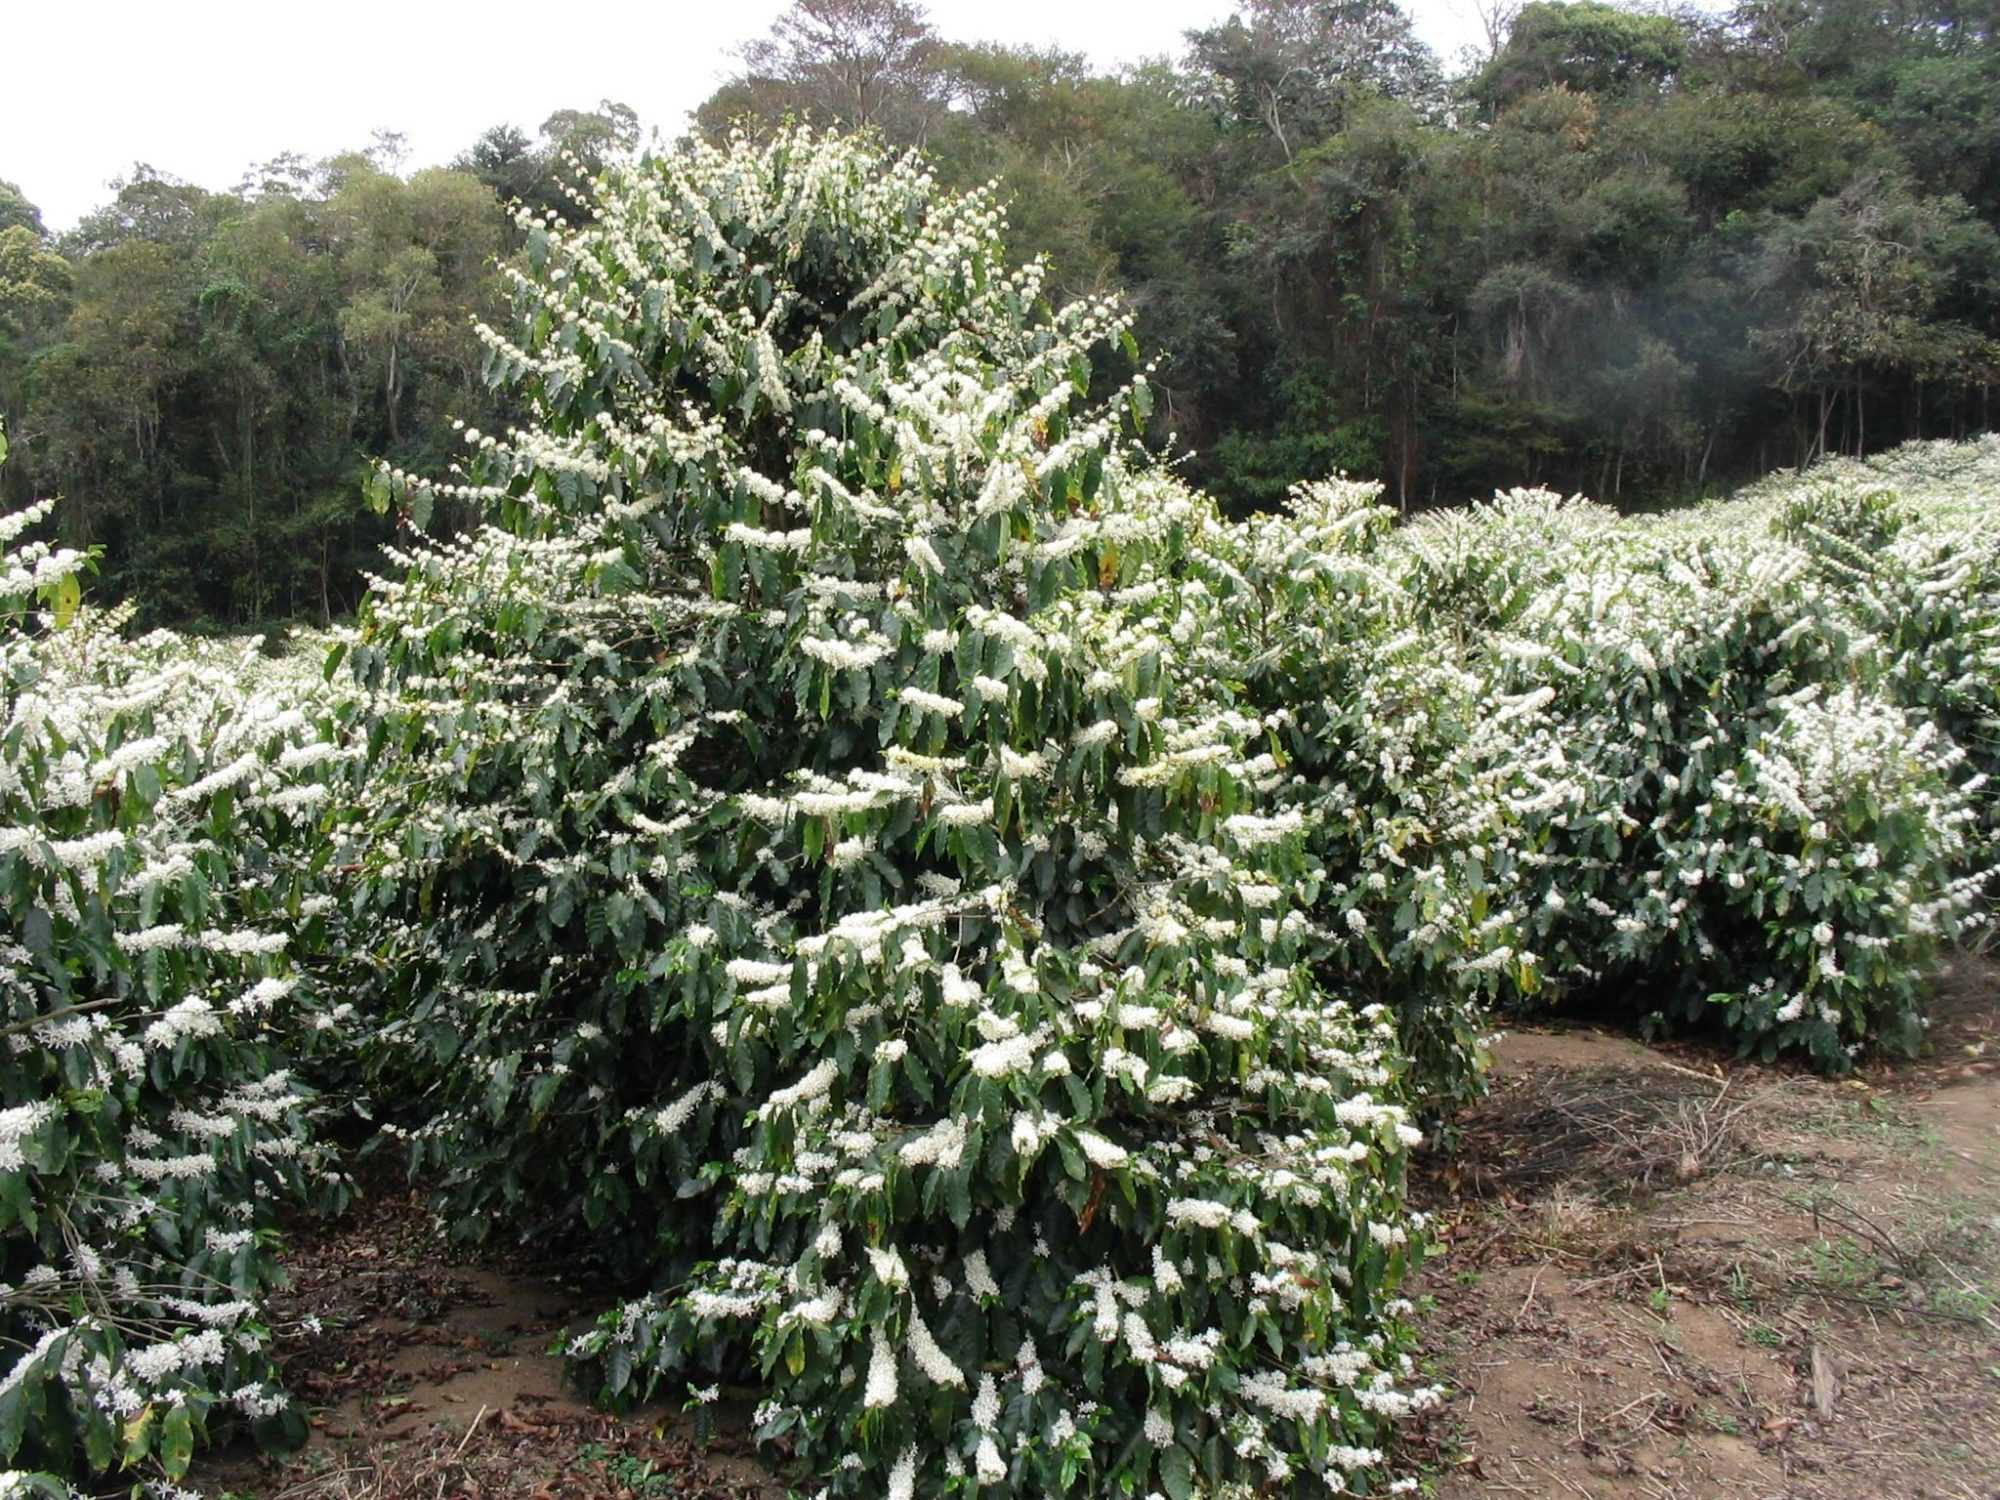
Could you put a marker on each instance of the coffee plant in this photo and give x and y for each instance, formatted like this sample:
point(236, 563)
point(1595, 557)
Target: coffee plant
point(849, 873)
point(158, 886)
point(1731, 803)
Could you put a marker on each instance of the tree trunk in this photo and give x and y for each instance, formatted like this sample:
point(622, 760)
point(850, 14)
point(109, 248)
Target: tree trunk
point(247, 416)
point(392, 393)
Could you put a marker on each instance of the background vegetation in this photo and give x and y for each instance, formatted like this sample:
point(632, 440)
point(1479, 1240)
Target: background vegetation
point(1636, 254)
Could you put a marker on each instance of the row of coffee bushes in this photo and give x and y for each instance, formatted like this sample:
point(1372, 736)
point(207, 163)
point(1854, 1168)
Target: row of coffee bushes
point(158, 807)
point(854, 850)
point(972, 930)
point(1746, 746)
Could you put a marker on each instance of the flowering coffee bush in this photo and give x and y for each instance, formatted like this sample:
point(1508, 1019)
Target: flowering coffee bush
point(1910, 542)
point(1725, 806)
point(154, 806)
point(1379, 727)
point(835, 862)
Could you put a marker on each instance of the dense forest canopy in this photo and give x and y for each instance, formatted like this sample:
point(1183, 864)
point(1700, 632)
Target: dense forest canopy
point(1636, 252)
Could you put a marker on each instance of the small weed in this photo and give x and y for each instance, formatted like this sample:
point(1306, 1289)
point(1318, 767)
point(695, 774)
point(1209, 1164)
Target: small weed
point(1547, 1410)
point(1871, 1118)
point(1841, 1265)
point(1972, 1302)
point(1766, 1336)
point(1742, 1291)
point(1662, 1296)
point(639, 1477)
point(1931, 1257)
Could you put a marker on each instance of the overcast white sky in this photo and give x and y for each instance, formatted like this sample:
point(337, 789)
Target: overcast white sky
point(202, 88)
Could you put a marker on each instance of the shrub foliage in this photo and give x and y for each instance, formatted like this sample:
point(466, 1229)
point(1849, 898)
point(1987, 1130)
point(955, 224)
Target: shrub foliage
point(158, 807)
point(1744, 753)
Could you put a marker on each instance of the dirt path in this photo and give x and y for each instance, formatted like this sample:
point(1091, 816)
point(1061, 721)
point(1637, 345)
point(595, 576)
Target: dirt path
point(430, 1378)
point(1674, 1278)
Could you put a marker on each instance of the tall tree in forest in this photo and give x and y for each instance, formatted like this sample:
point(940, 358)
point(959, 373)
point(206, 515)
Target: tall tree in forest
point(16, 212)
point(1289, 69)
point(102, 391)
point(1857, 291)
point(413, 252)
point(35, 287)
point(847, 64)
point(537, 172)
point(1586, 45)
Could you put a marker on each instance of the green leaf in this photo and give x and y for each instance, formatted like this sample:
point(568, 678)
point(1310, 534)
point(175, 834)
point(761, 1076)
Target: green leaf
point(138, 1435)
point(14, 1416)
point(100, 1438)
point(618, 1369)
point(177, 1442)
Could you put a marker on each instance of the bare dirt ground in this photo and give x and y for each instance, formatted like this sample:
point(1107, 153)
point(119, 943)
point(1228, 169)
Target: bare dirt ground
point(432, 1377)
point(1667, 1276)
point(1672, 1276)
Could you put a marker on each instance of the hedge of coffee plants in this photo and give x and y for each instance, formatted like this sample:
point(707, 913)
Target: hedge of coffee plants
point(1748, 747)
point(1909, 543)
point(157, 802)
point(1381, 735)
point(854, 852)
